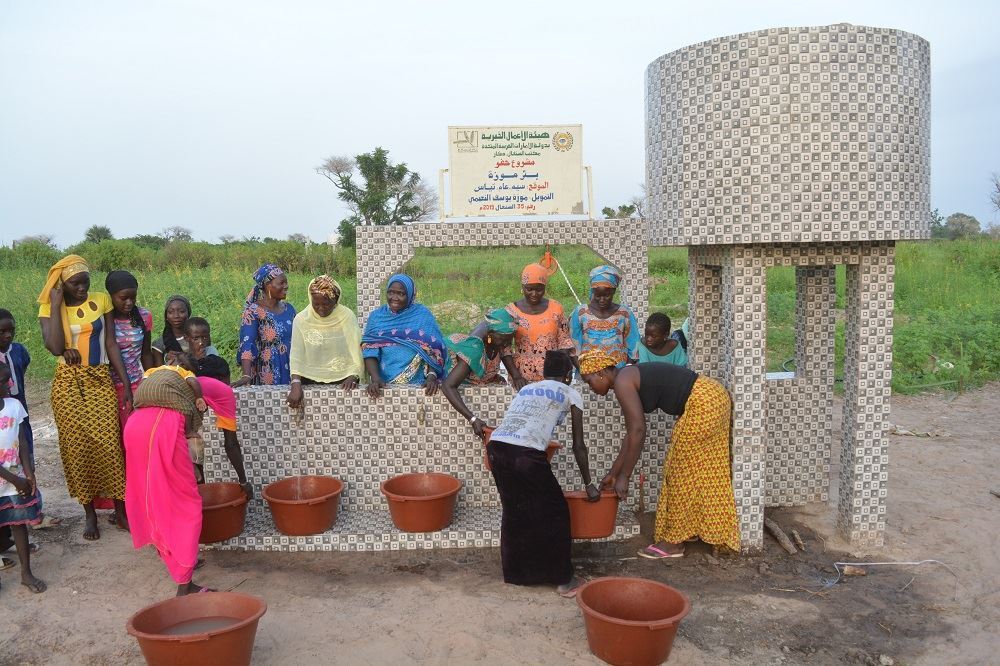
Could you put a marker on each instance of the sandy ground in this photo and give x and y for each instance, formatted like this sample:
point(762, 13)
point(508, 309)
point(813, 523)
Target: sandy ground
point(450, 606)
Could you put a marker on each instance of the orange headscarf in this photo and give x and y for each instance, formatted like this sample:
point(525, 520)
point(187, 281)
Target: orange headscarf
point(59, 272)
point(595, 360)
point(534, 274)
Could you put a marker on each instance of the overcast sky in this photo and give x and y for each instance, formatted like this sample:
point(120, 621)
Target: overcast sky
point(212, 114)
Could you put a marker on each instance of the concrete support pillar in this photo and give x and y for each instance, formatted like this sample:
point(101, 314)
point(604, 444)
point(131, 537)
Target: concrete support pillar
point(867, 387)
point(705, 315)
point(744, 319)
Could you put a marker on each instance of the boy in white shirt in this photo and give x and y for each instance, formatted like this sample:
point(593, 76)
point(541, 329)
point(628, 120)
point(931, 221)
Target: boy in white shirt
point(534, 532)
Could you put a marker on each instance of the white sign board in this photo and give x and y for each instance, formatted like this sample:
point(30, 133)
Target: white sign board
point(524, 170)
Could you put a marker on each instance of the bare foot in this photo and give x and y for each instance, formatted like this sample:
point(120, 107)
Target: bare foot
point(33, 584)
point(570, 589)
point(90, 531)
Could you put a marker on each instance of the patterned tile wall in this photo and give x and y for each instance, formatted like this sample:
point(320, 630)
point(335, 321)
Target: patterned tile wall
point(782, 429)
point(790, 135)
point(384, 250)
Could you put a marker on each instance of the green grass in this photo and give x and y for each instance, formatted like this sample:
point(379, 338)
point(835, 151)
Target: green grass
point(947, 305)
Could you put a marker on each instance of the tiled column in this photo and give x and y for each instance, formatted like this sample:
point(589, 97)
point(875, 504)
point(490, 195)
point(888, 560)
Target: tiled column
point(744, 310)
point(380, 252)
point(705, 314)
point(867, 379)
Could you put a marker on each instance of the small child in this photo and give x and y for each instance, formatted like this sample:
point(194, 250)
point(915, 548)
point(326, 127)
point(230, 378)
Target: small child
point(20, 504)
point(198, 335)
point(159, 388)
point(658, 345)
point(185, 366)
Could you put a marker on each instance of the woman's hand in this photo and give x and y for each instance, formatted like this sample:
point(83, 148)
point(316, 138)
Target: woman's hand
point(170, 358)
point(431, 384)
point(72, 357)
point(375, 387)
point(479, 427)
point(55, 297)
point(350, 383)
point(242, 381)
point(294, 399)
point(518, 382)
point(23, 486)
point(247, 489)
point(593, 492)
point(616, 482)
point(201, 405)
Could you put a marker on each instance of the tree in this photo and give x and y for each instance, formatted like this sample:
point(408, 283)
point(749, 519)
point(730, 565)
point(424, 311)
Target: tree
point(149, 240)
point(624, 211)
point(300, 238)
point(177, 235)
point(960, 225)
point(937, 225)
point(97, 233)
point(226, 239)
point(377, 191)
point(995, 193)
point(48, 240)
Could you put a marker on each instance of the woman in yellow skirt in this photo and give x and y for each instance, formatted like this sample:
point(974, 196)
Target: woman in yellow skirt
point(696, 496)
point(78, 328)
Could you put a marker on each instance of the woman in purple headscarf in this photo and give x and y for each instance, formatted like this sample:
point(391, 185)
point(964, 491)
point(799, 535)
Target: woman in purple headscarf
point(266, 331)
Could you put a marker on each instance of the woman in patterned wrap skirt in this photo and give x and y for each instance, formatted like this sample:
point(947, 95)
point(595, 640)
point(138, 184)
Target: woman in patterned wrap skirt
point(696, 496)
point(75, 325)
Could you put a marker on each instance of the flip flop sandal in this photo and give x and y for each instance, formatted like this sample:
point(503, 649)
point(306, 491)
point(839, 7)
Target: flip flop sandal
point(6, 563)
point(47, 522)
point(654, 553)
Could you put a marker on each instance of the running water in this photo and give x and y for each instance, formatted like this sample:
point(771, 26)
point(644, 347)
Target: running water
point(200, 625)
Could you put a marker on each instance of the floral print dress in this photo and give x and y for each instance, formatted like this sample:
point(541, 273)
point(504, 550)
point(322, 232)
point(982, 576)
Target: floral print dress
point(266, 340)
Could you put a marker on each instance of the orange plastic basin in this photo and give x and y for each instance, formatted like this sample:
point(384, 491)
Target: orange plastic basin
point(550, 451)
point(211, 629)
point(591, 520)
point(631, 621)
point(421, 502)
point(304, 505)
point(223, 511)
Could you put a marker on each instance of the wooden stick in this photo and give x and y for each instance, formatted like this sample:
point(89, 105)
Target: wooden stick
point(798, 540)
point(779, 535)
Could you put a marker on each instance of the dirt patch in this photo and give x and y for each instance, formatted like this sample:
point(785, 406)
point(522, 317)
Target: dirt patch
point(450, 606)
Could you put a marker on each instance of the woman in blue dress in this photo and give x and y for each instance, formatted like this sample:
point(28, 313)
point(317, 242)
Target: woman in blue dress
point(402, 343)
point(266, 331)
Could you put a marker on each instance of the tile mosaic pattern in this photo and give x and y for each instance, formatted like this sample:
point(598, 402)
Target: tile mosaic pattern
point(384, 250)
point(799, 135)
point(782, 437)
point(347, 435)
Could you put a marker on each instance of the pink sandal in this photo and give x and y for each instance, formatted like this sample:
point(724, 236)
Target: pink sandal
point(651, 552)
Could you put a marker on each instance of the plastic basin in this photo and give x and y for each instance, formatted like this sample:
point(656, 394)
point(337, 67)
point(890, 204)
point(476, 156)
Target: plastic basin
point(304, 505)
point(550, 451)
point(423, 501)
point(212, 628)
point(631, 621)
point(223, 511)
point(591, 520)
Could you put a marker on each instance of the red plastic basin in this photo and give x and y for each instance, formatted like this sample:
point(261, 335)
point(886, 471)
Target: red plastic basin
point(631, 621)
point(591, 520)
point(421, 502)
point(304, 505)
point(223, 511)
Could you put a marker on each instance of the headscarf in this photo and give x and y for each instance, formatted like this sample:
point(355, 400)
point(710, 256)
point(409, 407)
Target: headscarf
point(326, 349)
point(534, 274)
point(169, 340)
point(413, 327)
point(264, 275)
point(119, 280)
point(59, 272)
point(605, 276)
point(595, 360)
point(501, 321)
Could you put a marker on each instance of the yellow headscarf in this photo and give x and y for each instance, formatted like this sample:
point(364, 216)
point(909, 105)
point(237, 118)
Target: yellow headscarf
point(326, 349)
point(595, 360)
point(62, 270)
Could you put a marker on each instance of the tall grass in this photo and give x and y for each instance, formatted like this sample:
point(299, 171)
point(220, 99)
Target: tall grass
point(947, 323)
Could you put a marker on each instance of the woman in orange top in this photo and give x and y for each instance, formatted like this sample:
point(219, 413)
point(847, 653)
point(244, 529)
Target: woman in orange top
point(78, 327)
point(541, 326)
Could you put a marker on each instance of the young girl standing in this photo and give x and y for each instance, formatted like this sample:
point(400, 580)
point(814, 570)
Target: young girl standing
point(133, 332)
point(20, 504)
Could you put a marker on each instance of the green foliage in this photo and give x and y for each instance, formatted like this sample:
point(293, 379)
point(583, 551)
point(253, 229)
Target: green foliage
point(960, 225)
point(29, 254)
point(97, 233)
point(937, 225)
point(624, 211)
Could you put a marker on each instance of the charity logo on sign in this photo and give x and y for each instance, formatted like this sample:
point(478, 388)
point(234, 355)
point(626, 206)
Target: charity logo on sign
point(562, 141)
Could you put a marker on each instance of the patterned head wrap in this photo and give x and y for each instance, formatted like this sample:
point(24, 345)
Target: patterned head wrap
point(408, 286)
point(325, 285)
point(534, 274)
point(595, 360)
point(61, 271)
point(264, 275)
point(605, 276)
point(500, 321)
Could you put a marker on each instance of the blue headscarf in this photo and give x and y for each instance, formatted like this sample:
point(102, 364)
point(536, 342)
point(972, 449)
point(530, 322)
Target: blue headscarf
point(264, 274)
point(604, 276)
point(413, 327)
